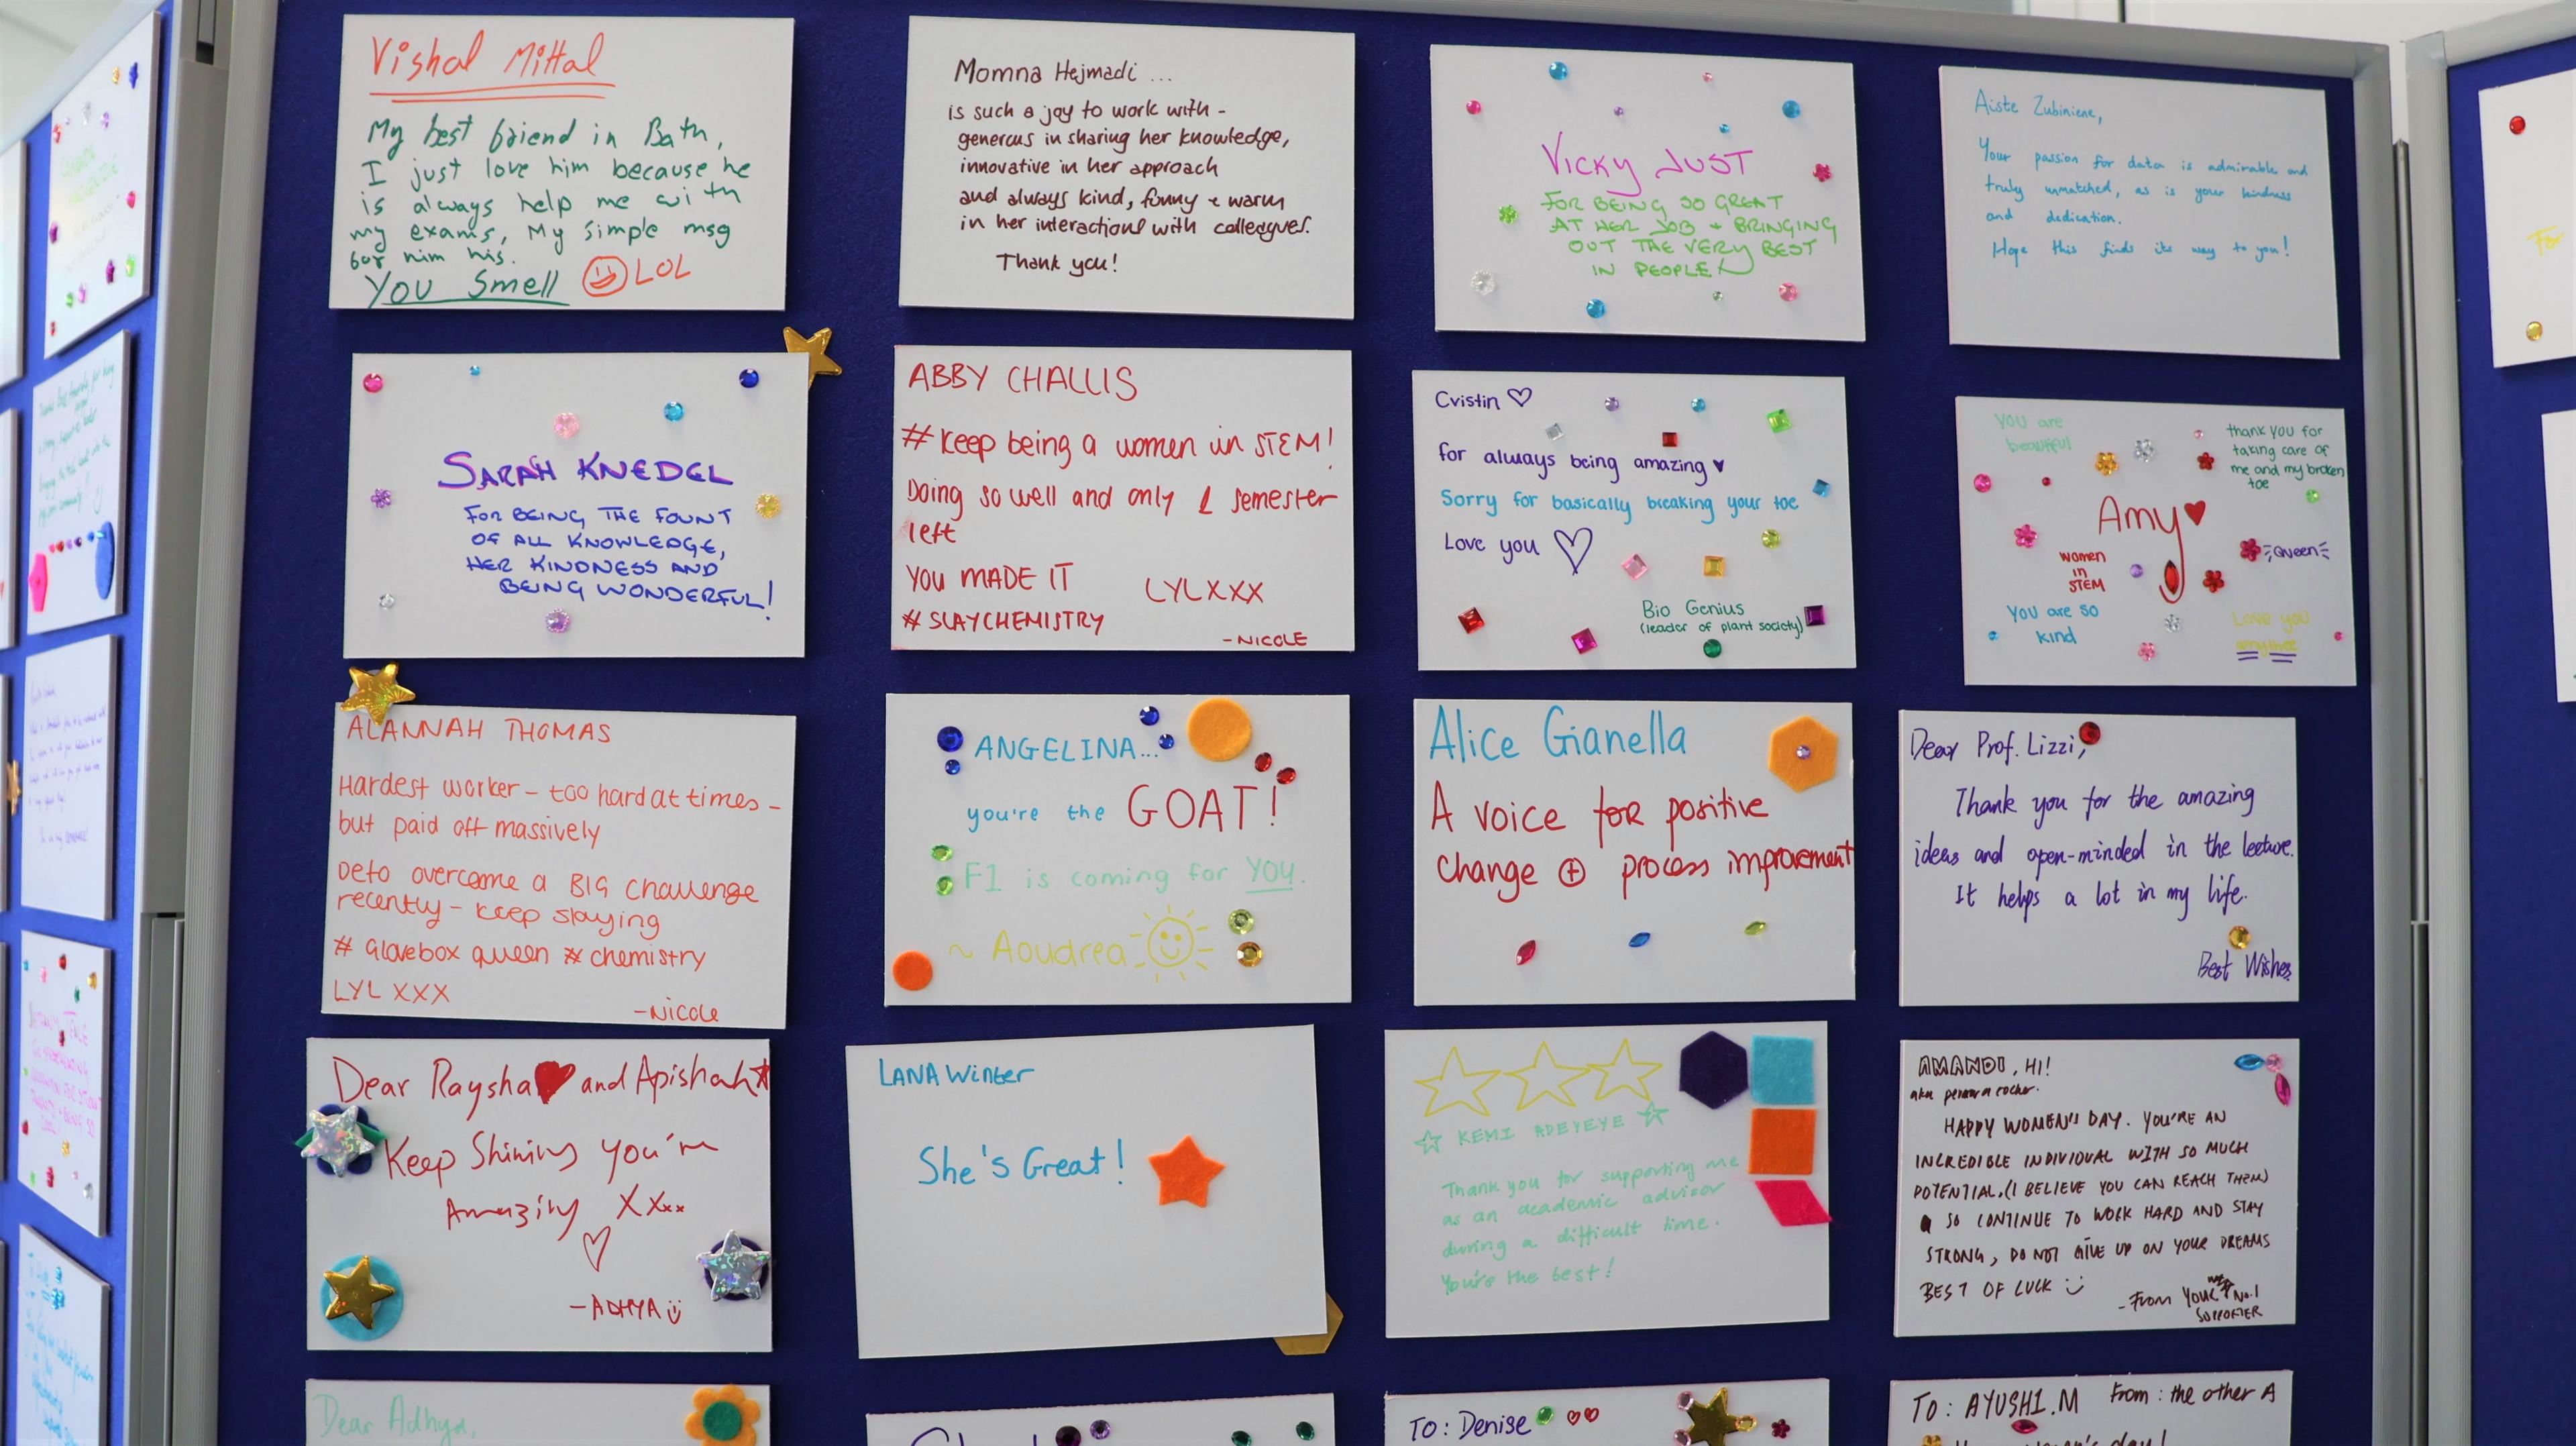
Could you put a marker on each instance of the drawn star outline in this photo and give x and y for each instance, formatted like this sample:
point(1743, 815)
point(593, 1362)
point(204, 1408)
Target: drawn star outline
point(1543, 1078)
point(1449, 1088)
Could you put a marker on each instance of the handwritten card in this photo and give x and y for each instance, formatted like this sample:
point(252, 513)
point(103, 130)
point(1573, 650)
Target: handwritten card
point(2096, 1185)
point(1599, 521)
point(1156, 168)
point(2098, 859)
point(1266, 1418)
point(2558, 481)
point(1576, 852)
point(602, 505)
point(61, 1384)
point(63, 1035)
point(76, 538)
point(2109, 213)
point(2530, 199)
point(1108, 1190)
point(2183, 1408)
point(1088, 499)
point(1605, 191)
point(9, 497)
point(560, 864)
point(546, 1194)
point(2155, 544)
point(607, 162)
point(67, 822)
point(1623, 1413)
point(1093, 848)
point(98, 189)
point(530, 1413)
point(1606, 1178)
point(13, 276)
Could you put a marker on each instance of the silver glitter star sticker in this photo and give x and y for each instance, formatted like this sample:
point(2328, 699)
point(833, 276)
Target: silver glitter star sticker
point(336, 1138)
point(735, 1269)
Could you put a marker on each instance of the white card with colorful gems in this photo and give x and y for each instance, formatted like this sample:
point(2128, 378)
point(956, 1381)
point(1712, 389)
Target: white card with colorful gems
point(1095, 1190)
point(77, 455)
point(1099, 848)
point(2155, 544)
point(1628, 193)
point(537, 1413)
point(2098, 859)
point(2179, 1408)
point(560, 864)
point(1651, 1415)
point(1265, 1420)
point(536, 1195)
point(1614, 520)
point(2096, 1185)
point(1082, 499)
point(1718, 863)
point(1605, 1178)
point(62, 1367)
point(622, 162)
point(98, 189)
point(553, 505)
point(62, 1052)
point(2527, 144)
point(13, 278)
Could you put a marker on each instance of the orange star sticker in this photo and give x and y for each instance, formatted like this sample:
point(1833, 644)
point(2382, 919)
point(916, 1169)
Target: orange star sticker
point(1185, 1172)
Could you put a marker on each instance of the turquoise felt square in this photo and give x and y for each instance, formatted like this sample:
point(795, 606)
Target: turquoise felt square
point(1784, 1070)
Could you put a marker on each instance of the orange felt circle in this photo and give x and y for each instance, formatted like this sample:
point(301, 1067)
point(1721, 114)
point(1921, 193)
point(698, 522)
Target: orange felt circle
point(912, 970)
point(1220, 730)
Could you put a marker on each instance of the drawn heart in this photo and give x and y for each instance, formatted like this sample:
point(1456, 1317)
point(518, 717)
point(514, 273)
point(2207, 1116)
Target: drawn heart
point(1520, 396)
point(1591, 1414)
point(594, 1244)
point(1566, 542)
point(550, 1078)
point(2193, 510)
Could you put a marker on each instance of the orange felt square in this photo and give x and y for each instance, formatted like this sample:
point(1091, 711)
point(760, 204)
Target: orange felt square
point(1784, 1142)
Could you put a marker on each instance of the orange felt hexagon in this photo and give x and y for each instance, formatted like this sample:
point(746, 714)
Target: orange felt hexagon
point(1799, 773)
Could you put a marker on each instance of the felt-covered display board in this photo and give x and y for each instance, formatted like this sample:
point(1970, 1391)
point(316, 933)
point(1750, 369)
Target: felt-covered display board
point(1900, 385)
point(102, 1255)
point(2522, 779)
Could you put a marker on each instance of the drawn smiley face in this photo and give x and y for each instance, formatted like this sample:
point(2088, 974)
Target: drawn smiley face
point(1172, 942)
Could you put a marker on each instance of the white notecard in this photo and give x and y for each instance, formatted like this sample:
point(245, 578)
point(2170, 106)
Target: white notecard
point(544, 1194)
point(606, 505)
point(2558, 482)
point(62, 1377)
point(76, 448)
point(534, 863)
point(1608, 1178)
point(534, 1413)
point(67, 821)
point(2096, 1185)
point(1647, 1414)
point(9, 498)
point(545, 161)
point(64, 1036)
point(1604, 520)
point(13, 272)
point(1098, 1190)
point(1603, 191)
point(1084, 499)
point(2111, 213)
point(2043, 869)
point(2181, 1408)
point(2155, 544)
point(1302, 1419)
point(98, 189)
point(1063, 166)
point(1577, 852)
point(2529, 195)
point(1082, 848)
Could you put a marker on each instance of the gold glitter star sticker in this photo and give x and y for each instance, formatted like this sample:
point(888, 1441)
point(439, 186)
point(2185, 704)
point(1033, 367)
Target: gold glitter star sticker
point(356, 1293)
point(13, 785)
point(816, 364)
point(376, 693)
point(1711, 1423)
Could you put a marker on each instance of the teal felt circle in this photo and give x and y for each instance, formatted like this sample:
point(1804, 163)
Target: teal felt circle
point(721, 1420)
point(388, 1311)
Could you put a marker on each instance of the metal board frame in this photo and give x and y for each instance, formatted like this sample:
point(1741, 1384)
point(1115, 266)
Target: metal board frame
point(2398, 1383)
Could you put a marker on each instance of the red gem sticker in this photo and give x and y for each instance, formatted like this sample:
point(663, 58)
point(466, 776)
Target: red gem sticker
point(2514, 125)
point(2090, 733)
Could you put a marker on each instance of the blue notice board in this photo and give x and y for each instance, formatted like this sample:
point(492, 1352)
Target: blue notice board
point(849, 87)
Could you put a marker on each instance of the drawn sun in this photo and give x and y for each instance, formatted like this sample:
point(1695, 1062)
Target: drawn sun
point(1172, 942)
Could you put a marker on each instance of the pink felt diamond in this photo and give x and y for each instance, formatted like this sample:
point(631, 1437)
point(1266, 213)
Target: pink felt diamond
point(1792, 1202)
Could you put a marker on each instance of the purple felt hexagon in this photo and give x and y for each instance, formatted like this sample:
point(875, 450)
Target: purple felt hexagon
point(1714, 1070)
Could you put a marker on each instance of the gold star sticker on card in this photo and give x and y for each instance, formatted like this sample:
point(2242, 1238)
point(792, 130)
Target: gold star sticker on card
point(1711, 1423)
point(13, 786)
point(356, 1293)
point(816, 364)
point(376, 693)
